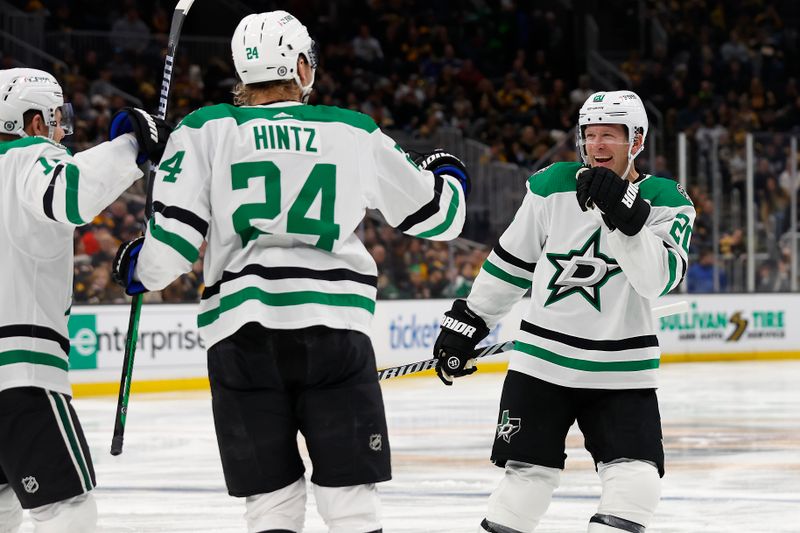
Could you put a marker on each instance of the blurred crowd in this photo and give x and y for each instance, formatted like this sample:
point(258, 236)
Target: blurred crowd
point(507, 74)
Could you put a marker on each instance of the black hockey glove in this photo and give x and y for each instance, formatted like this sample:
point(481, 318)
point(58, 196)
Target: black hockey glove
point(124, 265)
point(440, 162)
point(151, 132)
point(461, 331)
point(582, 188)
point(618, 199)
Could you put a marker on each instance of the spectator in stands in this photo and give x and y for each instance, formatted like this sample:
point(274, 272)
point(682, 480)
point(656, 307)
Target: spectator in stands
point(366, 49)
point(130, 33)
point(700, 276)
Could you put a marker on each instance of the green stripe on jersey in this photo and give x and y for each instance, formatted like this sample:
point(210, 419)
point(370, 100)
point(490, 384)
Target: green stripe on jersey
point(310, 113)
point(448, 219)
point(588, 366)
point(24, 142)
point(73, 177)
point(673, 268)
point(34, 358)
point(72, 438)
point(282, 299)
point(558, 177)
point(174, 241)
point(501, 274)
point(663, 192)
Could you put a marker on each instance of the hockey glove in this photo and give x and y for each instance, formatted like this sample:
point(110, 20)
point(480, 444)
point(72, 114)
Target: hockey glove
point(582, 187)
point(440, 162)
point(125, 264)
point(461, 331)
point(618, 199)
point(151, 132)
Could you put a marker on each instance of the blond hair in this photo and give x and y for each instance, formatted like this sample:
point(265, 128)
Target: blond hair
point(252, 94)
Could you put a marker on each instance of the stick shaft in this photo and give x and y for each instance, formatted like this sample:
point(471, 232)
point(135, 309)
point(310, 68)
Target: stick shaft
point(429, 364)
point(178, 17)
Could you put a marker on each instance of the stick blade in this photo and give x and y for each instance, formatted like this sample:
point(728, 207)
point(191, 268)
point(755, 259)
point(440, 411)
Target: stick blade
point(116, 445)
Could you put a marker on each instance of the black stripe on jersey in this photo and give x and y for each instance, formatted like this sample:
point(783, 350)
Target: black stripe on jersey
point(335, 274)
point(683, 261)
point(513, 260)
point(182, 215)
point(643, 341)
point(39, 332)
point(426, 211)
point(47, 200)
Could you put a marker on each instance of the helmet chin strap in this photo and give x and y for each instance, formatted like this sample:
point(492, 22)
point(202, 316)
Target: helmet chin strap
point(631, 157)
point(305, 90)
point(628, 168)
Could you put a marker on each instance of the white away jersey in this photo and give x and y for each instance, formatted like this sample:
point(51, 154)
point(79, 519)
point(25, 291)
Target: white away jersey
point(277, 192)
point(589, 324)
point(44, 193)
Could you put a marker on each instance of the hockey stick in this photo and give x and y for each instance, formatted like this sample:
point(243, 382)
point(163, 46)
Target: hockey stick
point(181, 10)
point(429, 364)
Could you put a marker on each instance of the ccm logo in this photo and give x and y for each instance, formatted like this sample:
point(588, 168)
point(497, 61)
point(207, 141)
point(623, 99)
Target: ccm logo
point(458, 327)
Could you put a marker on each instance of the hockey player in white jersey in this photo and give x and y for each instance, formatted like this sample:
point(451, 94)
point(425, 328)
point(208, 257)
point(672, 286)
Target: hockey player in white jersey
point(277, 189)
point(45, 192)
point(586, 349)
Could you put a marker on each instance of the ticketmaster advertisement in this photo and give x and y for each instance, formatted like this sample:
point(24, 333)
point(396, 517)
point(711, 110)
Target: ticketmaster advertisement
point(743, 326)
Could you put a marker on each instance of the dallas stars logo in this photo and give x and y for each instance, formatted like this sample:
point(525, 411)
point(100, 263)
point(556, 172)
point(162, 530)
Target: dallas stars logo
point(581, 271)
point(508, 427)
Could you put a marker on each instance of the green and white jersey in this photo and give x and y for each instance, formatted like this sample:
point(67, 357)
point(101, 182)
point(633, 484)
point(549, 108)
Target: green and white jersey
point(277, 192)
point(589, 323)
point(44, 193)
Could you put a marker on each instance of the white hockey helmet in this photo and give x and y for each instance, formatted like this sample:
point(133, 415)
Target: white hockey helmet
point(266, 46)
point(614, 107)
point(25, 89)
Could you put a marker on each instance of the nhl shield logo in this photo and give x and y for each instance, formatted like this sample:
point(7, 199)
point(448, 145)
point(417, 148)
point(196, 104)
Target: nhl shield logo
point(30, 484)
point(508, 427)
point(375, 442)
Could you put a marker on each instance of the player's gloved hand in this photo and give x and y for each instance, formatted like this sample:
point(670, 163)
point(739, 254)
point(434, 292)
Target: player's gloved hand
point(582, 188)
point(461, 331)
point(151, 132)
point(618, 199)
point(440, 162)
point(124, 265)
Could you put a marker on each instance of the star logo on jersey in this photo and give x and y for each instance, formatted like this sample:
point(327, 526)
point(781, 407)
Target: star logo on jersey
point(508, 427)
point(582, 271)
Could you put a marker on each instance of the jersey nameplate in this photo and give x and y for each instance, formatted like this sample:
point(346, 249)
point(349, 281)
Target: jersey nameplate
point(279, 137)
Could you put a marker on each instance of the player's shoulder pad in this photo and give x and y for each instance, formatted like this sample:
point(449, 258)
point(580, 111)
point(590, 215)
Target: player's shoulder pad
point(554, 178)
point(41, 144)
point(199, 117)
point(664, 192)
point(300, 112)
point(327, 113)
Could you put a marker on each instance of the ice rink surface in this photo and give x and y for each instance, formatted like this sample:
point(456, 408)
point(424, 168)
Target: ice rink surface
point(731, 433)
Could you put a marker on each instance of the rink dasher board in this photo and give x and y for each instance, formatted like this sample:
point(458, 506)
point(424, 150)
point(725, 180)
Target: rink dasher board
point(171, 354)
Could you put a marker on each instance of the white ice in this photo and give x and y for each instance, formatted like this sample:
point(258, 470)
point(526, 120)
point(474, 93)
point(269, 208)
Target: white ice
point(731, 433)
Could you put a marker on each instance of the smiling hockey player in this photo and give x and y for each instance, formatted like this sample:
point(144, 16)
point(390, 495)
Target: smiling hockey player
point(587, 347)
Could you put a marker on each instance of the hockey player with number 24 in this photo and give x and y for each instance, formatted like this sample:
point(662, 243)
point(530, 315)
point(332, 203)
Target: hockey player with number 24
point(586, 349)
point(45, 192)
point(277, 188)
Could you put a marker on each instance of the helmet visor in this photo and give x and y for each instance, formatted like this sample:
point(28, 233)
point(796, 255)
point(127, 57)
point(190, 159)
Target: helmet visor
point(67, 118)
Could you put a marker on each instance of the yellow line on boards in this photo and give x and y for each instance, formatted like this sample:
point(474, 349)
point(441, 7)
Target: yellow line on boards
point(83, 390)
